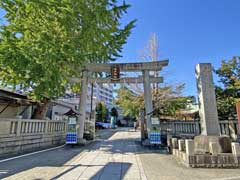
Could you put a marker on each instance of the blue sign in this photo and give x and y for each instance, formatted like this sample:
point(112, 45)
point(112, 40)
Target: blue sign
point(155, 138)
point(71, 138)
point(71, 135)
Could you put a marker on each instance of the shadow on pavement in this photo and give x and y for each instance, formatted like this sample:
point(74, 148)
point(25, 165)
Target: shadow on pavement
point(52, 158)
point(59, 157)
point(112, 170)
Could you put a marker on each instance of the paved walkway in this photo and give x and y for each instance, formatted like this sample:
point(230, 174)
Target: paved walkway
point(111, 158)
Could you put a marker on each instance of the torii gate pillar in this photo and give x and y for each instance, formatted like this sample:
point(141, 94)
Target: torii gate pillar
point(143, 67)
point(82, 106)
point(147, 98)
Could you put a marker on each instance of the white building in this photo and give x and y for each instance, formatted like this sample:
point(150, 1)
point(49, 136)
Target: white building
point(101, 93)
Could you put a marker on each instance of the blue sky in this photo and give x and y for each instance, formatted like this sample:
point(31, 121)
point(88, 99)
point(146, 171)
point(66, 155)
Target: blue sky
point(189, 32)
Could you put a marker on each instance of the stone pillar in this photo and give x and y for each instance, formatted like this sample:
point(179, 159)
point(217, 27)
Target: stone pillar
point(147, 98)
point(235, 149)
point(46, 126)
point(174, 143)
point(19, 127)
point(207, 100)
point(82, 106)
point(181, 144)
point(189, 144)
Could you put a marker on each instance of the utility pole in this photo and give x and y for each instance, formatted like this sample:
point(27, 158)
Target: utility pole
point(91, 102)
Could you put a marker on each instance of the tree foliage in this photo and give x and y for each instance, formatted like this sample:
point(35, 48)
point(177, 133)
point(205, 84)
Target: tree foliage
point(44, 42)
point(168, 102)
point(101, 111)
point(229, 93)
point(130, 103)
point(170, 99)
point(114, 112)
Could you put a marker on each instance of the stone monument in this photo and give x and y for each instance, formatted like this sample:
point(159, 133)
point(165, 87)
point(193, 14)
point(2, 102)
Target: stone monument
point(207, 100)
point(210, 140)
point(210, 149)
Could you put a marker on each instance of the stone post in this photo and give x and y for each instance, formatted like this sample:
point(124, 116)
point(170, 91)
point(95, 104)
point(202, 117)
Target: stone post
point(207, 100)
point(235, 149)
point(19, 126)
point(181, 144)
point(82, 106)
point(174, 143)
point(46, 126)
point(189, 144)
point(147, 98)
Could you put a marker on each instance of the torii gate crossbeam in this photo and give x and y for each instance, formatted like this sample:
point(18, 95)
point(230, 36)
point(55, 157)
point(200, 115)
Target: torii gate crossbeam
point(143, 67)
point(129, 80)
point(128, 67)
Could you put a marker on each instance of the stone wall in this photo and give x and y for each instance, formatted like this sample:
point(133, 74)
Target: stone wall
point(18, 136)
point(184, 151)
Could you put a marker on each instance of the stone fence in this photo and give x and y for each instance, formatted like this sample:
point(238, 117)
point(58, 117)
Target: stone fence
point(187, 153)
point(192, 128)
point(19, 136)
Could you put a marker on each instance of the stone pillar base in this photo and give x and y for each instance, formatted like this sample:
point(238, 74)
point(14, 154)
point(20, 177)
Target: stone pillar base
point(211, 152)
point(212, 144)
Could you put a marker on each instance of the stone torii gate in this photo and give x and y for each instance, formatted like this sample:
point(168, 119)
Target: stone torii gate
point(146, 79)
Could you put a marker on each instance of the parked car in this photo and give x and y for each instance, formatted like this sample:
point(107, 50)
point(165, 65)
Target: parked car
point(102, 125)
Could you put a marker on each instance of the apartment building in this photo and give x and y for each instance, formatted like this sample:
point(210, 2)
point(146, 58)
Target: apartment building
point(100, 93)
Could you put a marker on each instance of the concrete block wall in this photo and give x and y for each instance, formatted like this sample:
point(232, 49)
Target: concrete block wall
point(30, 135)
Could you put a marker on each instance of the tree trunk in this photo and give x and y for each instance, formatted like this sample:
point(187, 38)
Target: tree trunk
point(41, 110)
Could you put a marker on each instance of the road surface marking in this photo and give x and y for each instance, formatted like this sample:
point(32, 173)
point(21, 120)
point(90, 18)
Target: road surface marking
point(228, 178)
point(37, 152)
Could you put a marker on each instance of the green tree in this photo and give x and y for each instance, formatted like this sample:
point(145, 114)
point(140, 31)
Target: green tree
point(101, 111)
point(168, 101)
point(114, 112)
point(129, 102)
point(229, 93)
point(104, 112)
point(44, 43)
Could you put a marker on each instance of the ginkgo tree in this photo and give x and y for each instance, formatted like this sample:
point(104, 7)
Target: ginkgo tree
point(44, 43)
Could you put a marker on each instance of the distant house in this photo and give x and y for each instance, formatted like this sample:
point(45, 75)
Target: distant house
point(15, 105)
point(190, 113)
point(59, 108)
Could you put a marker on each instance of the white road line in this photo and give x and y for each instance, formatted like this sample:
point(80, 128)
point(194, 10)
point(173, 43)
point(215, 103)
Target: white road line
point(229, 178)
point(24, 155)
